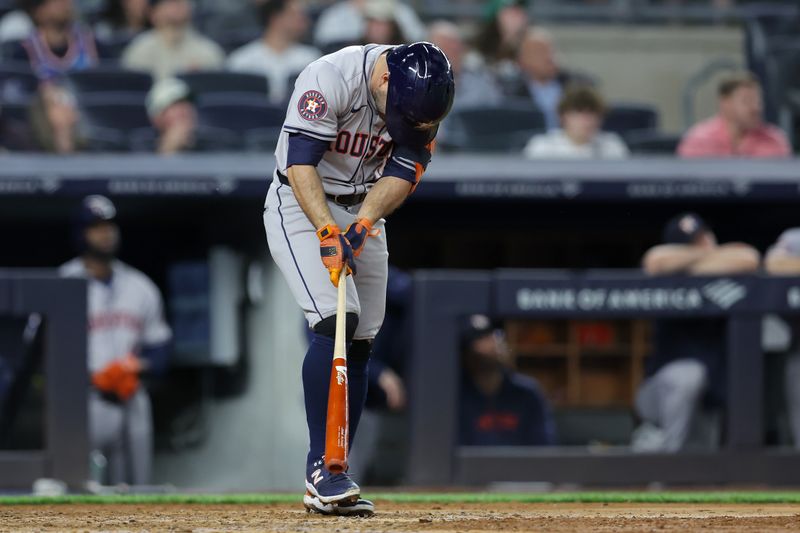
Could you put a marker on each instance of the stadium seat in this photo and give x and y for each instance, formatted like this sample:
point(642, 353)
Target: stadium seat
point(230, 40)
point(87, 83)
point(256, 125)
point(7, 49)
point(17, 84)
point(495, 129)
point(205, 82)
point(111, 50)
point(110, 123)
point(241, 117)
point(123, 116)
point(625, 118)
point(649, 142)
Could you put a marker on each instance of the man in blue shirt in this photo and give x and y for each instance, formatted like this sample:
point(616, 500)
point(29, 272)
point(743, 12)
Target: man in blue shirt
point(499, 407)
point(687, 368)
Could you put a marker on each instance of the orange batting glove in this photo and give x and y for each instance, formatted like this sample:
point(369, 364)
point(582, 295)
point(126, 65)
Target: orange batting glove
point(336, 252)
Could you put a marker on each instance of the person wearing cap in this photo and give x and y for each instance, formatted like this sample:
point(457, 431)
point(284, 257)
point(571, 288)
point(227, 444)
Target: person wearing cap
point(686, 371)
point(357, 139)
point(345, 22)
point(738, 129)
point(499, 407)
point(173, 46)
point(171, 109)
point(127, 337)
point(279, 54)
point(783, 259)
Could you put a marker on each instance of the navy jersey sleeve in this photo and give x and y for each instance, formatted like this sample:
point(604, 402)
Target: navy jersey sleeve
point(408, 163)
point(305, 150)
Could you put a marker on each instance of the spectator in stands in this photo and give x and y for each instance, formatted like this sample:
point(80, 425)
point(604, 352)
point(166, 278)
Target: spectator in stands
point(539, 77)
point(278, 54)
point(54, 120)
point(122, 20)
point(58, 44)
point(343, 23)
point(738, 130)
point(172, 46)
point(687, 368)
point(498, 405)
point(381, 27)
point(171, 109)
point(476, 86)
point(783, 259)
point(127, 337)
point(581, 112)
point(505, 24)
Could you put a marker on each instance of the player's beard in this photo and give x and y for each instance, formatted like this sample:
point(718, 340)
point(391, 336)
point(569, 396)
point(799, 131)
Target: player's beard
point(103, 256)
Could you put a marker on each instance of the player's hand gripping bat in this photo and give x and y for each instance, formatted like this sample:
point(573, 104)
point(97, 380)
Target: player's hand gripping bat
point(337, 426)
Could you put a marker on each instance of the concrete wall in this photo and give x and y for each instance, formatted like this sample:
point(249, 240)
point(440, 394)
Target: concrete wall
point(649, 64)
point(256, 441)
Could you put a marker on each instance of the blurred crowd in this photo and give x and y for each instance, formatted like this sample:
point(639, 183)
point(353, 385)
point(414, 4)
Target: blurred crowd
point(174, 75)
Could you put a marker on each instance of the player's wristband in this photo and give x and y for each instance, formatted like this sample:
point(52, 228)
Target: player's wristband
point(328, 231)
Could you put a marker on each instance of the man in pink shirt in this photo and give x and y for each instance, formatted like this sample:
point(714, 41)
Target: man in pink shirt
point(738, 130)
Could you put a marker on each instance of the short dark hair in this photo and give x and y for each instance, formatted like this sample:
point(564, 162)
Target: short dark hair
point(30, 6)
point(728, 85)
point(269, 9)
point(581, 98)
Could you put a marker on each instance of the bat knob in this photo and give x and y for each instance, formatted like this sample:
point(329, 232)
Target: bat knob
point(336, 466)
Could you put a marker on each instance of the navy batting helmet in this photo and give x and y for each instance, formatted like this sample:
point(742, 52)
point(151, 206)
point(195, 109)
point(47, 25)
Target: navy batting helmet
point(421, 90)
point(93, 210)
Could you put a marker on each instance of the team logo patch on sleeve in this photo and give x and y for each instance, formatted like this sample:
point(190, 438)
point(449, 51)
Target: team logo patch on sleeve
point(312, 105)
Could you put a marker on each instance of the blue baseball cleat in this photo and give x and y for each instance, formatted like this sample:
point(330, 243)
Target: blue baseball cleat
point(360, 507)
point(330, 488)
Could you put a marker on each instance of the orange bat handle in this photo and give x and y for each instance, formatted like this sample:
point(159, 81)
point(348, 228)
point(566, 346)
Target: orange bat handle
point(337, 427)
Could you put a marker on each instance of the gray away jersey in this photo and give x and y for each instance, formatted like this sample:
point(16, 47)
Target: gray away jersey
point(332, 102)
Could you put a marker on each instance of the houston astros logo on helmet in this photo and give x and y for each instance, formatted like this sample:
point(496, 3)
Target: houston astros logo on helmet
point(312, 105)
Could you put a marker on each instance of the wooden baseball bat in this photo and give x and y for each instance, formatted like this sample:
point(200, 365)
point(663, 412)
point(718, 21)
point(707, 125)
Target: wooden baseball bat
point(338, 422)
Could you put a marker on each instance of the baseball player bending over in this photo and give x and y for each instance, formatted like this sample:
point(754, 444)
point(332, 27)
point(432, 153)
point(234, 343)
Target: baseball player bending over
point(358, 135)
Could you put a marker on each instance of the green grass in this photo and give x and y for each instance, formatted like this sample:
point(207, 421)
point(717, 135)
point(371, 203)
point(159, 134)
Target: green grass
point(427, 498)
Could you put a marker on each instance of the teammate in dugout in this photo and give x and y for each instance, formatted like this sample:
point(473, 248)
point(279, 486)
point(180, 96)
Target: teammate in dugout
point(127, 336)
point(357, 138)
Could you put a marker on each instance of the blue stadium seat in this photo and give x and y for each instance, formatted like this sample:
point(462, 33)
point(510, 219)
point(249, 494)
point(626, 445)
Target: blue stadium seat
point(7, 49)
point(122, 115)
point(649, 142)
point(230, 40)
point(241, 117)
point(506, 128)
point(17, 84)
point(87, 83)
point(625, 118)
point(111, 122)
point(256, 125)
point(206, 82)
point(110, 50)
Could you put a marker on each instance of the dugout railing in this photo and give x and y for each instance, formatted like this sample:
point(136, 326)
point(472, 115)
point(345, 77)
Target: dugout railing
point(61, 305)
point(440, 298)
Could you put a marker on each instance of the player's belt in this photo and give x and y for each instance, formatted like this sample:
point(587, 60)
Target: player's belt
point(345, 200)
